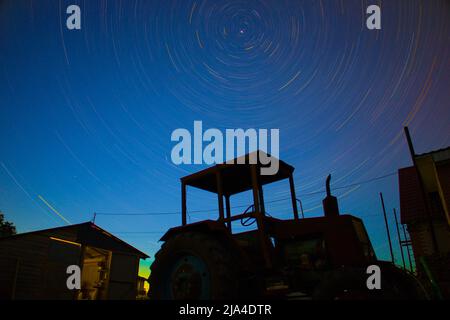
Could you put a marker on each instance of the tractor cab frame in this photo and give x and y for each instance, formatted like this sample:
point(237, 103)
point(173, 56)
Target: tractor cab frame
point(240, 175)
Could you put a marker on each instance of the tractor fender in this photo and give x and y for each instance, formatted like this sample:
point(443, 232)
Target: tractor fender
point(206, 226)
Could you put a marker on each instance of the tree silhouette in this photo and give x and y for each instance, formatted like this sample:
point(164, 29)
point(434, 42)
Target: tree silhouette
point(6, 228)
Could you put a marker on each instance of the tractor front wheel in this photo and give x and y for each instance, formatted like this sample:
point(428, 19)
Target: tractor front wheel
point(193, 266)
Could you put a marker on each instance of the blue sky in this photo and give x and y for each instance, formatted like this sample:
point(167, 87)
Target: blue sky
point(86, 115)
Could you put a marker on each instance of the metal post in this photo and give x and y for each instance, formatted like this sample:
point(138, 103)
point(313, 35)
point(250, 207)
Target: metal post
point(227, 204)
point(399, 239)
point(76, 293)
point(387, 228)
point(259, 218)
point(220, 194)
point(255, 189)
point(183, 204)
point(407, 249)
point(410, 144)
point(293, 197)
point(261, 198)
point(301, 208)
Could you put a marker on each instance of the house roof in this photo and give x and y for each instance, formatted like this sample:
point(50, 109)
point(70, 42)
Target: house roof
point(437, 155)
point(236, 174)
point(88, 233)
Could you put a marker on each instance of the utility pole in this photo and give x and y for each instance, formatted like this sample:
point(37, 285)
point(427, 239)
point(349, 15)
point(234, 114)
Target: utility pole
point(399, 239)
point(387, 228)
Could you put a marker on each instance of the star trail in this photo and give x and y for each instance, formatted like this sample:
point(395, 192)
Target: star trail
point(86, 115)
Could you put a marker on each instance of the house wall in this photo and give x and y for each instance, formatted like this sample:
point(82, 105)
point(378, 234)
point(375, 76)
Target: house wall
point(22, 262)
point(29, 265)
point(412, 205)
point(421, 238)
point(443, 176)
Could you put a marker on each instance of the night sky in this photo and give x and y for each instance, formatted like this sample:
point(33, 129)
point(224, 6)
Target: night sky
point(86, 115)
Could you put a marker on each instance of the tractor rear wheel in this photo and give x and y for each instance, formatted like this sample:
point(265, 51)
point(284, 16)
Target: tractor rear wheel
point(193, 266)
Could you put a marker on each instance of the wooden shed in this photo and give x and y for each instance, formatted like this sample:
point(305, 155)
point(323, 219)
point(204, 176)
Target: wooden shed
point(34, 265)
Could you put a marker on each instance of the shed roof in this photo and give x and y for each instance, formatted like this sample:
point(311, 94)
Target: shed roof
point(88, 233)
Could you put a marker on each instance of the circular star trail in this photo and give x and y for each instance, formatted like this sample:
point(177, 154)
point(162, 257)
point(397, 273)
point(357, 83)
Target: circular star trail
point(86, 115)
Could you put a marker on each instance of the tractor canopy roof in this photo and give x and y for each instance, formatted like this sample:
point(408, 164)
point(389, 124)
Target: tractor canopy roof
point(236, 174)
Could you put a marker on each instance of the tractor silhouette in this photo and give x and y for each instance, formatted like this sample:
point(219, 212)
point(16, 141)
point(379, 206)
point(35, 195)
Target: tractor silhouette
point(299, 258)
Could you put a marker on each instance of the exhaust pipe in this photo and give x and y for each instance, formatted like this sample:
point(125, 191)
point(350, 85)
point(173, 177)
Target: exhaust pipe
point(330, 203)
